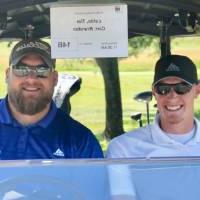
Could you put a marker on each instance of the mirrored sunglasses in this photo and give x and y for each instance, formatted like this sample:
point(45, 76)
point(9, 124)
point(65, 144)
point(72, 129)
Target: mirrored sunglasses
point(165, 88)
point(22, 70)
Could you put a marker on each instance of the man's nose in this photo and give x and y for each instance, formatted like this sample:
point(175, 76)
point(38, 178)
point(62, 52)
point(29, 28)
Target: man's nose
point(172, 93)
point(32, 74)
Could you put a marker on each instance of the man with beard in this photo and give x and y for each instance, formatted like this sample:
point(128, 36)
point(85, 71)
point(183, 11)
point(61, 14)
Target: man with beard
point(175, 132)
point(31, 127)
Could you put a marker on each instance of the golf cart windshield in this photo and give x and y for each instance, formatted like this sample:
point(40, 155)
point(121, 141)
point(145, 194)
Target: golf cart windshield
point(125, 179)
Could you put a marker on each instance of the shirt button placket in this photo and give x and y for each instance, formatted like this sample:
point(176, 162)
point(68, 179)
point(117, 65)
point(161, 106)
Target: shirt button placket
point(22, 143)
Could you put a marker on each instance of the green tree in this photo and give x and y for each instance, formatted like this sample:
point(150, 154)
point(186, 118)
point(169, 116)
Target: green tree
point(139, 43)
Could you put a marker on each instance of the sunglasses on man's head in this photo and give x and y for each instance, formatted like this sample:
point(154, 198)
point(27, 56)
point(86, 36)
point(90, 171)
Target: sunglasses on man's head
point(165, 88)
point(22, 70)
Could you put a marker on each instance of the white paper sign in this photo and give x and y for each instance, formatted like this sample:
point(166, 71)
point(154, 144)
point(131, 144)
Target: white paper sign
point(89, 31)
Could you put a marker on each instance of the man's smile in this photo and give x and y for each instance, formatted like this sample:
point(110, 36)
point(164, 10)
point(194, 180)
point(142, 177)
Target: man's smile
point(173, 108)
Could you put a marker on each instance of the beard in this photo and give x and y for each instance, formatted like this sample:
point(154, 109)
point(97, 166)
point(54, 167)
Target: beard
point(30, 105)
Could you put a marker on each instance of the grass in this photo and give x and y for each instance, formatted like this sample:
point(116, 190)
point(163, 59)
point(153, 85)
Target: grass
point(136, 74)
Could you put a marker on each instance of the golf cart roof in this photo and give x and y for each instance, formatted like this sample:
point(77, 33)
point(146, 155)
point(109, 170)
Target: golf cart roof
point(144, 17)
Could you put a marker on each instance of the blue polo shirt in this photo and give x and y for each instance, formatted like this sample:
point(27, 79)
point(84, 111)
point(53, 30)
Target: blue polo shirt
point(56, 136)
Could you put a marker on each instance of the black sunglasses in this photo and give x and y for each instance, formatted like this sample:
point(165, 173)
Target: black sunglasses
point(165, 88)
point(22, 70)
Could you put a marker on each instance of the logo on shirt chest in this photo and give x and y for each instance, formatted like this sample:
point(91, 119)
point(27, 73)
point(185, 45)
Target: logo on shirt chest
point(58, 153)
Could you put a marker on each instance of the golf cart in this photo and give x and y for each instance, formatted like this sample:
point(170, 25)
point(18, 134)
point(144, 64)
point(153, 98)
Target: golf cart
point(147, 178)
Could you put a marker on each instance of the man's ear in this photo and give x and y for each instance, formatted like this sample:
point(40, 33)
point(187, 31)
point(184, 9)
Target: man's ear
point(55, 78)
point(197, 89)
point(153, 93)
point(7, 74)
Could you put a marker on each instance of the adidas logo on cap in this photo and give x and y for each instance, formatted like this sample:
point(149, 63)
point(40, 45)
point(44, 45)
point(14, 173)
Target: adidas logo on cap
point(173, 68)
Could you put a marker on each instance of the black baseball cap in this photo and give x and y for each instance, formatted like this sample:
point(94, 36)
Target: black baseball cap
point(25, 47)
point(175, 65)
